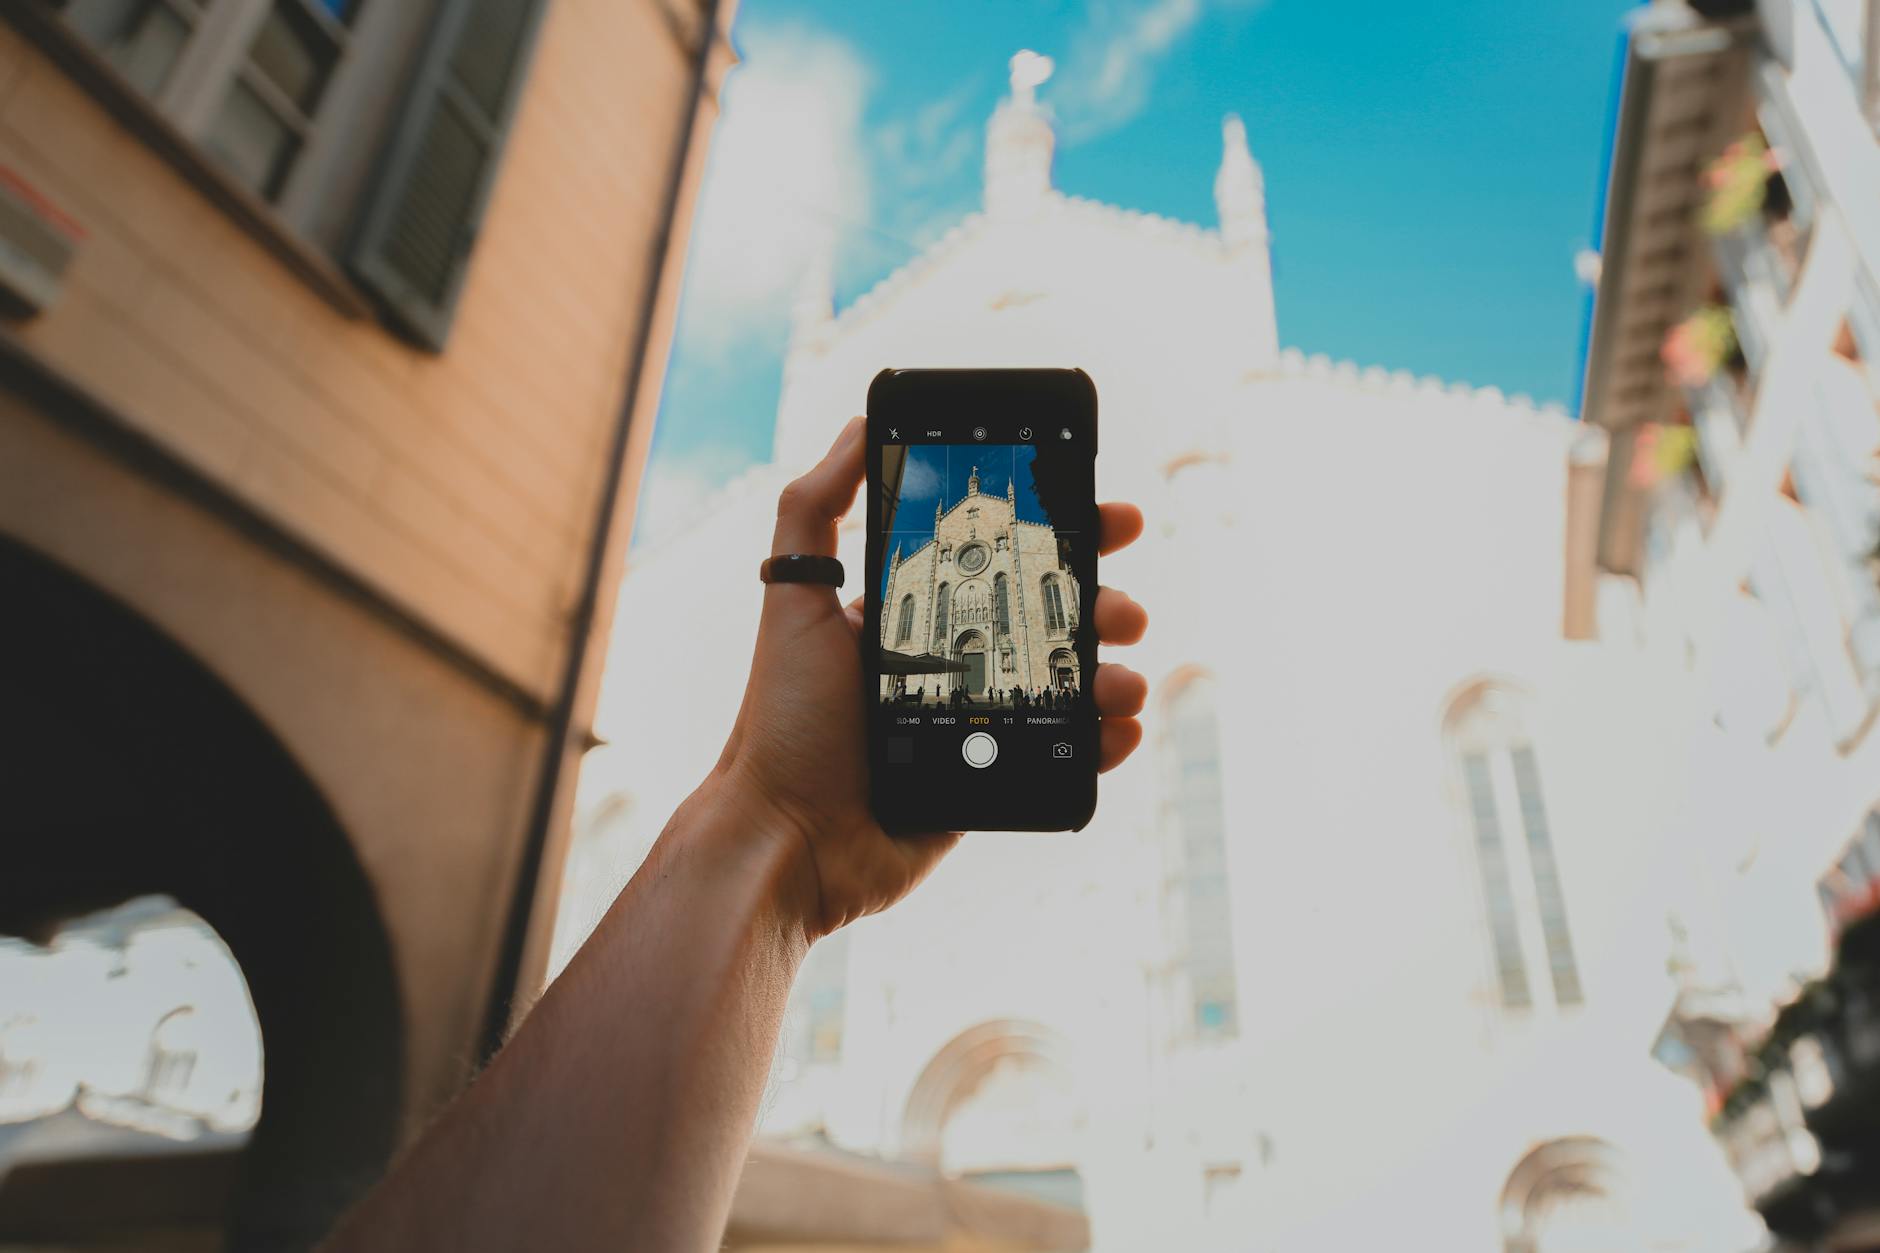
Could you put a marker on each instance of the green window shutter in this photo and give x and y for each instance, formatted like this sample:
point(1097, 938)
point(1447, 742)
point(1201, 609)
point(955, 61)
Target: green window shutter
point(423, 213)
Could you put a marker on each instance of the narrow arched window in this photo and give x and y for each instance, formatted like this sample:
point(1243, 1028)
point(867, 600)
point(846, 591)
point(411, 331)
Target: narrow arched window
point(170, 1061)
point(1191, 753)
point(904, 629)
point(1001, 606)
point(1523, 900)
point(941, 605)
point(1054, 619)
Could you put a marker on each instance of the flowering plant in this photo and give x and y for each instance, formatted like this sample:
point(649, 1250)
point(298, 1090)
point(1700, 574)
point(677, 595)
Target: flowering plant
point(1661, 452)
point(1696, 348)
point(1738, 183)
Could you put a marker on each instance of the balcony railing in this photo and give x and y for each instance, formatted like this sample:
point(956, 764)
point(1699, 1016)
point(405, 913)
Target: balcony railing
point(1836, 440)
point(1863, 317)
point(1778, 24)
point(1846, 24)
point(1720, 413)
point(1789, 571)
point(1758, 282)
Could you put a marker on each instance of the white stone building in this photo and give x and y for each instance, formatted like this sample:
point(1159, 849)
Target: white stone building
point(1358, 951)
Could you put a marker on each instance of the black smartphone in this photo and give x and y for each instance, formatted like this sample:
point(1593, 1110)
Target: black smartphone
point(978, 641)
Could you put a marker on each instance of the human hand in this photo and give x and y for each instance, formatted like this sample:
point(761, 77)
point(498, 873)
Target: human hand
point(796, 757)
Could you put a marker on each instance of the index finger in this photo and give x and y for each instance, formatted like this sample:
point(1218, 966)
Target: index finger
point(1118, 525)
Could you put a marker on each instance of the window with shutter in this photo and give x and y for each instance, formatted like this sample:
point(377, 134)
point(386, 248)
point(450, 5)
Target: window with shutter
point(415, 237)
point(245, 79)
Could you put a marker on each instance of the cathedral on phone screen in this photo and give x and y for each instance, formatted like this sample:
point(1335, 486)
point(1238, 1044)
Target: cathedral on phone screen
point(979, 595)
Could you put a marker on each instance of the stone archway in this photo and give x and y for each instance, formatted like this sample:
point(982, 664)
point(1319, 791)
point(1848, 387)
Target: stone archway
point(1062, 669)
point(1565, 1196)
point(137, 772)
point(971, 649)
point(961, 1066)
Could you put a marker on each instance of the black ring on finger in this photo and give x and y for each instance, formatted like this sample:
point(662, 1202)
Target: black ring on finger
point(802, 568)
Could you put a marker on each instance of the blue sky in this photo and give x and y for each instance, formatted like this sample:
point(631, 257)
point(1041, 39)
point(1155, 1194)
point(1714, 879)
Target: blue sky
point(941, 474)
point(1431, 171)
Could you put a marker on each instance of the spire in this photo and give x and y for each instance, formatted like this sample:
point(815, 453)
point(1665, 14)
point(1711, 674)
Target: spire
point(1010, 494)
point(972, 483)
point(1239, 189)
point(894, 563)
point(1240, 199)
point(936, 513)
point(1019, 141)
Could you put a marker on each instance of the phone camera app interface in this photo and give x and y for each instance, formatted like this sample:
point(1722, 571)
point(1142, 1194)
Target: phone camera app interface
point(980, 601)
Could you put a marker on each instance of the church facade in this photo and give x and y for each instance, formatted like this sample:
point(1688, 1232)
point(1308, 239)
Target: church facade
point(990, 592)
point(1358, 950)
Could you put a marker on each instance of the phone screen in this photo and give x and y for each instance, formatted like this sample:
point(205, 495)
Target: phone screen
point(981, 582)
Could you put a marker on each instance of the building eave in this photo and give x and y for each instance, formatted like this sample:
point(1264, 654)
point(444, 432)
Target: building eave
point(1684, 89)
point(1351, 377)
point(908, 560)
point(967, 499)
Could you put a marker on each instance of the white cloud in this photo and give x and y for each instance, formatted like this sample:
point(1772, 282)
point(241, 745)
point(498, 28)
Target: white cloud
point(787, 169)
point(917, 163)
point(1586, 266)
point(790, 175)
point(1112, 63)
point(920, 479)
point(932, 144)
point(678, 488)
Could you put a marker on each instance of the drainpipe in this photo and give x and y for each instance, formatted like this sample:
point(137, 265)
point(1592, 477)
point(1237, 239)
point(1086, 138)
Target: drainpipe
point(557, 773)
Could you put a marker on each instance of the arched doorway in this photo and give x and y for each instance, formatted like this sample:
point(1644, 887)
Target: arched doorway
point(970, 649)
point(1062, 667)
point(997, 1099)
point(1566, 1196)
point(136, 772)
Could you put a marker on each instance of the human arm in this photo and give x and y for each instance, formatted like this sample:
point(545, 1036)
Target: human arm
point(619, 1114)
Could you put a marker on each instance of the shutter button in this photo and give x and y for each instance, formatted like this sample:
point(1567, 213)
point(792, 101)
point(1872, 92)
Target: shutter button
point(979, 750)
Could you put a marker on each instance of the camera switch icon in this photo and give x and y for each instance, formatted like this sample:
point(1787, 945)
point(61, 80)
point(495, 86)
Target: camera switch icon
point(1060, 749)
